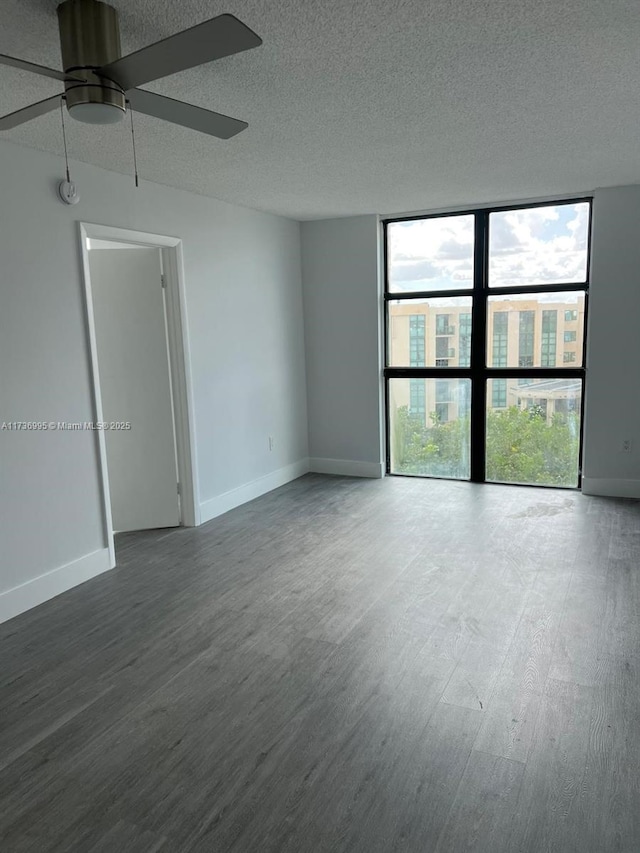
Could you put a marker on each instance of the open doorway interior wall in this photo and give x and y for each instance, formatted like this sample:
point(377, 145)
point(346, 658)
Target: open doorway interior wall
point(129, 310)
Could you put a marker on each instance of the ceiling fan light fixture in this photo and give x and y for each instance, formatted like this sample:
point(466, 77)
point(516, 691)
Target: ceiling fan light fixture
point(99, 81)
point(96, 113)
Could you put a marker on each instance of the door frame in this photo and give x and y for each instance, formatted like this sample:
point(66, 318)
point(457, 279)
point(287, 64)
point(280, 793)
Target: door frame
point(179, 365)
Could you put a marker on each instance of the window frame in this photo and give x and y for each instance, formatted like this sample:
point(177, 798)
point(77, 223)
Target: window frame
point(478, 371)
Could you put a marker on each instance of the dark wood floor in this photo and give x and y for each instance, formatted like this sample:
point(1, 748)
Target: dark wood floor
point(341, 665)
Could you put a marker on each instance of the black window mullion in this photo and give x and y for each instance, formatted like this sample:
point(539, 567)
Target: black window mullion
point(385, 311)
point(478, 346)
point(534, 373)
point(408, 295)
point(521, 290)
point(583, 371)
point(428, 373)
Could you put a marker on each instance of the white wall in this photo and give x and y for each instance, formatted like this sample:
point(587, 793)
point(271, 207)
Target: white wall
point(612, 411)
point(244, 306)
point(342, 334)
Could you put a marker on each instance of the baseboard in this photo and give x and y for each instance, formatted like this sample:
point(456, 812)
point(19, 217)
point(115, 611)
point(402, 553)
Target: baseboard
point(241, 495)
point(38, 590)
point(611, 488)
point(346, 467)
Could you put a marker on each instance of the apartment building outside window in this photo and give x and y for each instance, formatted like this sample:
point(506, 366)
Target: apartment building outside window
point(525, 338)
point(549, 333)
point(500, 343)
point(464, 340)
point(416, 339)
point(417, 402)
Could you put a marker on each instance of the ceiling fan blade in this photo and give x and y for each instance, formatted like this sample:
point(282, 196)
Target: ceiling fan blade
point(37, 69)
point(27, 113)
point(197, 118)
point(221, 36)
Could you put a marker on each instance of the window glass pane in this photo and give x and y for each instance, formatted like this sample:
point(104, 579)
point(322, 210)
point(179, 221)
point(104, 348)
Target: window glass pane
point(538, 245)
point(464, 339)
point(526, 326)
point(430, 254)
point(430, 332)
point(429, 427)
point(532, 330)
point(499, 394)
point(549, 337)
point(533, 431)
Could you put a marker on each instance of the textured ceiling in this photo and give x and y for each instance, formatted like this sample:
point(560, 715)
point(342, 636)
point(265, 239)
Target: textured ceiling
point(370, 105)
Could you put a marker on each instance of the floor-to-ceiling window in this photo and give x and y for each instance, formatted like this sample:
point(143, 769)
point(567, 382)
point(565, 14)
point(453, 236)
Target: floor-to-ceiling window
point(485, 319)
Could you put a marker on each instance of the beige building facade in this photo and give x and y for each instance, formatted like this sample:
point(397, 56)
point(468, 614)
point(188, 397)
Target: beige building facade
point(523, 332)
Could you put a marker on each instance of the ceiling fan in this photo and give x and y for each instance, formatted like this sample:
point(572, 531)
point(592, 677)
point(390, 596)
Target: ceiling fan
point(99, 82)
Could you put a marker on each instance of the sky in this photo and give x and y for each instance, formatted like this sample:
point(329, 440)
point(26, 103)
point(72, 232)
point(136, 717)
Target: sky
point(540, 245)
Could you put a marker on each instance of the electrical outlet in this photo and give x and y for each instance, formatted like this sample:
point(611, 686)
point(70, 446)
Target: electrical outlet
point(625, 445)
point(271, 442)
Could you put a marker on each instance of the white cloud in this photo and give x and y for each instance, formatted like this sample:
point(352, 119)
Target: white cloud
point(431, 254)
point(539, 245)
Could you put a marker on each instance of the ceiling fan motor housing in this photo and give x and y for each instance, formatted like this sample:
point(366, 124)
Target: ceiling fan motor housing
point(90, 39)
point(100, 83)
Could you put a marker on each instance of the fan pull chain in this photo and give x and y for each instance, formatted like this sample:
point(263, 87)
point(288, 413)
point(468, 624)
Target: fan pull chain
point(64, 138)
point(133, 141)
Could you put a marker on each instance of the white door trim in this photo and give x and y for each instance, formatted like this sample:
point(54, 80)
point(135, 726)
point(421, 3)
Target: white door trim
point(179, 359)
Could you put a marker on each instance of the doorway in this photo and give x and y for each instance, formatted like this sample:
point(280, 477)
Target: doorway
point(485, 318)
point(142, 393)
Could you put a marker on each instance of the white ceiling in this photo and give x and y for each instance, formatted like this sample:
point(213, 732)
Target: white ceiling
point(363, 106)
